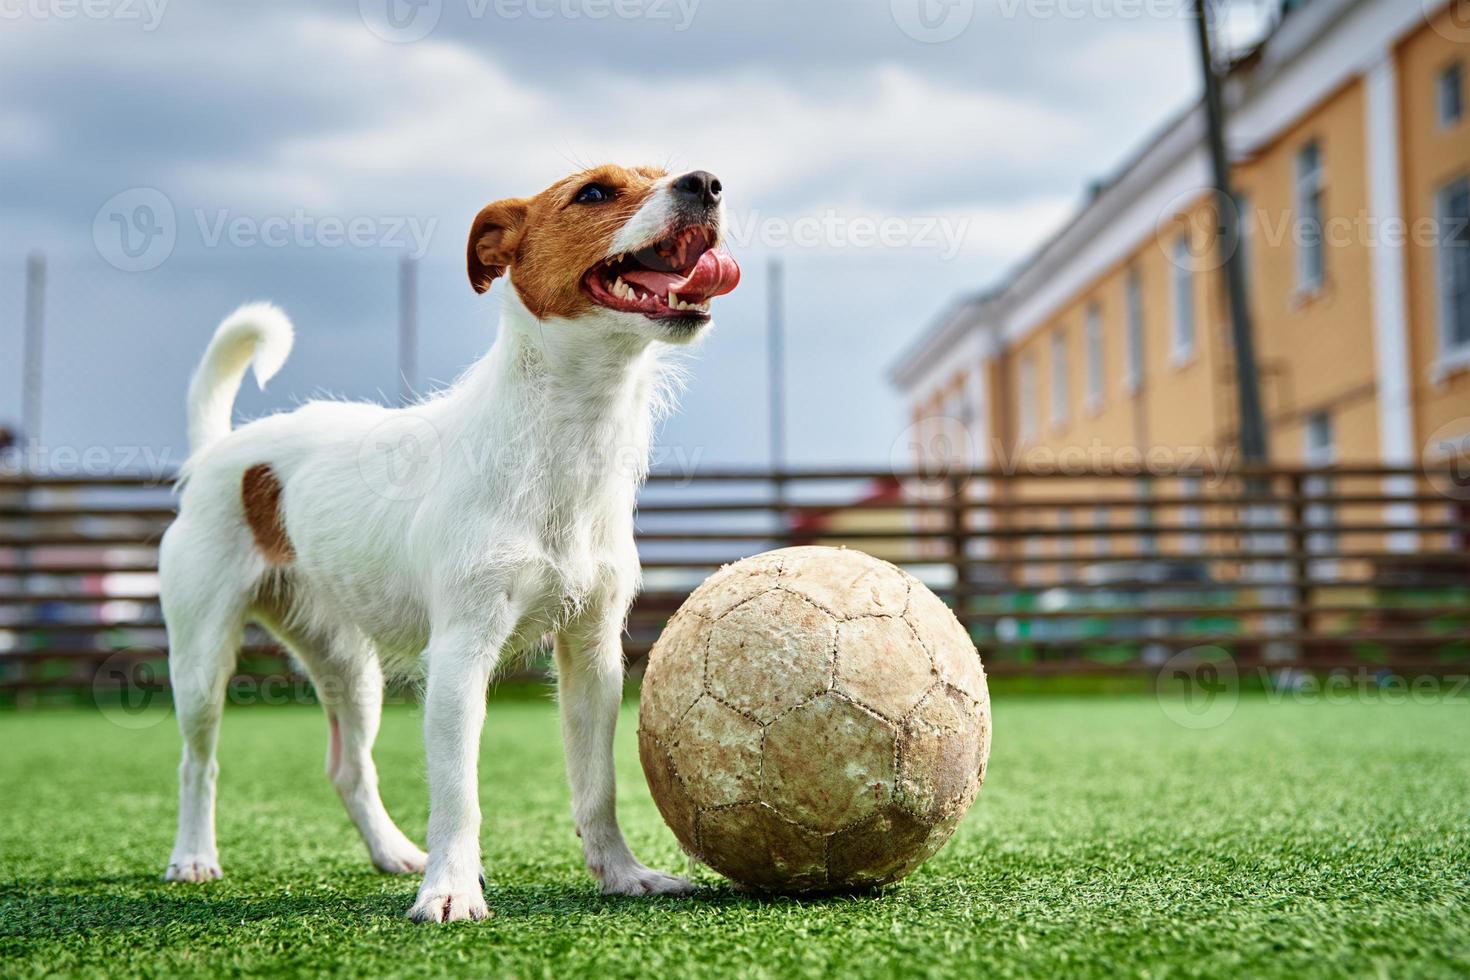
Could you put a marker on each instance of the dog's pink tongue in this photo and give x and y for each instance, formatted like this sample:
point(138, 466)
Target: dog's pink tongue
point(715, 274)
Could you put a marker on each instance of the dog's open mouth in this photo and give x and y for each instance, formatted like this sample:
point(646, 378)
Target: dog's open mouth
point(676, 276)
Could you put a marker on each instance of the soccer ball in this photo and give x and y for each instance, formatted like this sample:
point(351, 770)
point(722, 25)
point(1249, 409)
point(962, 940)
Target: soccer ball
point(813, 719)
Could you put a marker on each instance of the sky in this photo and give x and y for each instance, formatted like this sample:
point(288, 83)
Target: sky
point(173, 160)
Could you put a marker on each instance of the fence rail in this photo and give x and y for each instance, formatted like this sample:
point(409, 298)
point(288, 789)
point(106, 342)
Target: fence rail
point(1053, 573)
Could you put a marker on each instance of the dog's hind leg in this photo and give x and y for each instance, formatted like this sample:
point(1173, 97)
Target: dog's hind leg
point(352, 718)
point(205, 621)
point(349, 682)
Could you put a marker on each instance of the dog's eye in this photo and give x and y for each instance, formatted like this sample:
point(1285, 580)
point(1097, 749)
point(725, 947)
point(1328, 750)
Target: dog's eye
point(594, 194)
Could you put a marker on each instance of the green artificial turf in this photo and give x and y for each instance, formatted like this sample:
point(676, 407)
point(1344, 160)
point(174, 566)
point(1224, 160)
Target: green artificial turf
point(1322, 839)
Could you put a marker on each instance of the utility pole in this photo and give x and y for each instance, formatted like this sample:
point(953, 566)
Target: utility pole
point(31, 380)
point(776, 383)
point(408, 329)
point(776, 364)
point(1253, 444)
point(1254, 450)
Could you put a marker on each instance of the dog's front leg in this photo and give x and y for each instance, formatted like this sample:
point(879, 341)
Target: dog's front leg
point(460, 665)
point(589, 676)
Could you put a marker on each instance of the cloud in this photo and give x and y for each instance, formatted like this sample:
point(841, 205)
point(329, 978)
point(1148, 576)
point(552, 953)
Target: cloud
point(451, 126)
point(822, 118)
point(22, 135)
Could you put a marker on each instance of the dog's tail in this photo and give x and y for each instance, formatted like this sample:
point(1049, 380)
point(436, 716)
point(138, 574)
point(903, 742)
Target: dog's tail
point(258, 336)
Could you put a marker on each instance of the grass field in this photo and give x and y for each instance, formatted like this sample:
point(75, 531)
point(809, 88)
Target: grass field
point(1322, 840)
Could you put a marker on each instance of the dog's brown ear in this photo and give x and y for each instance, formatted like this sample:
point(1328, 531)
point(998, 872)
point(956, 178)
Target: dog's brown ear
point(493, 240)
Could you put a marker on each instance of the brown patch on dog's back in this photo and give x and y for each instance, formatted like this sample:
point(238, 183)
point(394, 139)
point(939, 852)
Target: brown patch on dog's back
point(260, 490)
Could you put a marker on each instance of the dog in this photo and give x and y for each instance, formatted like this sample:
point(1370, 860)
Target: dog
point(452, 535)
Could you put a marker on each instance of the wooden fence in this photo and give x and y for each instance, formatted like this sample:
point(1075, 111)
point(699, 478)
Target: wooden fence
point(1072, 573)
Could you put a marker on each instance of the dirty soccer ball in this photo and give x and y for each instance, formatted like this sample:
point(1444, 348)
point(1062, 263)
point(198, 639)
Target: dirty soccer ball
point(813, 719)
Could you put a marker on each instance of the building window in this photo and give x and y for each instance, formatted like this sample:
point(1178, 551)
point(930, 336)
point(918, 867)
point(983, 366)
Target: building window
point(1133, 300)
point(1026, 391)
point(1310, 261)
point(957, 405)
point(1451, 89)
point(1183, 275)
point(1094, 358)
point(1320, 450)
point(1059, 378)
point(1452, 209)
point(952, 445)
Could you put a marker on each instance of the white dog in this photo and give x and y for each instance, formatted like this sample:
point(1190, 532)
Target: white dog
point(456, 532)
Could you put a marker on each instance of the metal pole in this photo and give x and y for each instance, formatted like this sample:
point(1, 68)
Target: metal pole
point(776, 354)
point(29, 442)
point(408, 329)
point(776, 383)
point(31, 380)
point(1253, 445)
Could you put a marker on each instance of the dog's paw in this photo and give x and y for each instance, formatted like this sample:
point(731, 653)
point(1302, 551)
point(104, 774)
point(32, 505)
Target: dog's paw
point(635, 879)
point(449, 906)
point(402, 860)
point(193, 868)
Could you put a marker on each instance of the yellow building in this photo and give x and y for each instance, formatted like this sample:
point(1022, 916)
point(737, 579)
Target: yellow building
point(1350, 143)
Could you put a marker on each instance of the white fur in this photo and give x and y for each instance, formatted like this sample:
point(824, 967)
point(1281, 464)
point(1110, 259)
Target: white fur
point(651, 220)
point(516, 522)
point(257, 335)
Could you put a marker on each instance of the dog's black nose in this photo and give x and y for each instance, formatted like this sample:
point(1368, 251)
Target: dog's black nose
point(699, 187)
